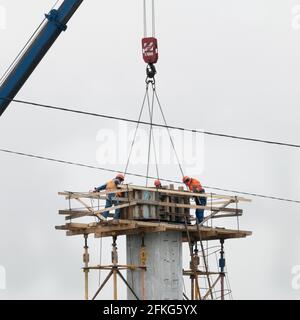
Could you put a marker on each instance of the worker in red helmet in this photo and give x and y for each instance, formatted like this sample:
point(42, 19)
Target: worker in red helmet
point(157, 184)
point(195, 186)
point(111, 199)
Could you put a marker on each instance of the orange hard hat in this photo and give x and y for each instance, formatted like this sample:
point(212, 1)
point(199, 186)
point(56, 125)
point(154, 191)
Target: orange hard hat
point(120, 176)
point(185, 179)
point(157, 183)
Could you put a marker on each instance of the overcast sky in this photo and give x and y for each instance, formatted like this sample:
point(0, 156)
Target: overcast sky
point(226, 66)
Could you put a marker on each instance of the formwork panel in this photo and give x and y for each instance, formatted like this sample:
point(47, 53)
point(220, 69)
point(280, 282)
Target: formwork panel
point(163, 276)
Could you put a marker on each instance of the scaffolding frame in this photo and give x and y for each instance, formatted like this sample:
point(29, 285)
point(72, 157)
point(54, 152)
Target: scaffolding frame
point(176, 206)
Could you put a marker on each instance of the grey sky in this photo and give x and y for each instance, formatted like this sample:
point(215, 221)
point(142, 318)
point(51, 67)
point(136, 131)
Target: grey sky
point(226, 66)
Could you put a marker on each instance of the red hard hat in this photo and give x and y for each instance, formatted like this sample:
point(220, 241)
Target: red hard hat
point(185, 179)
point(157, 183)
point(120, 176)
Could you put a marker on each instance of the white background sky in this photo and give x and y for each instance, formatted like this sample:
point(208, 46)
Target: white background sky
point(227, 66)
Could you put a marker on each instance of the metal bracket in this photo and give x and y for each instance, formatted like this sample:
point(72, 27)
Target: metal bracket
point(52, 16)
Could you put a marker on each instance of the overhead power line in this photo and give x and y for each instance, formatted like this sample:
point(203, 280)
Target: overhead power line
point(140, 175)
point(210, 133)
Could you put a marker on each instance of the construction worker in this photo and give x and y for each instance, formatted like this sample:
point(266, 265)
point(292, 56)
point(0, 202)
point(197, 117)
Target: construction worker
point(195, 186)
point(157, 184)
point(111, 197)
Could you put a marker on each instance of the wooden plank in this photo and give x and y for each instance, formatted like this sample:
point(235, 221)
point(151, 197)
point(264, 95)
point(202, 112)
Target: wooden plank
point(79, 215)
point(167, 208)
point(145, 224)
point(75, 233)
point(128, 231)
point(84, 204)
point(71, 212)
point(227, 215)
point(77, 225)
point(114, 228)
point(188, 193)
point(208, 235)
point(128, 227)
point(190, 206)
point(125, 205)
point(124, 188)
point(61, 227)
point(214, 203)
point(173, 199)
point(215, 212)
point(181, 200)
point(91, 195)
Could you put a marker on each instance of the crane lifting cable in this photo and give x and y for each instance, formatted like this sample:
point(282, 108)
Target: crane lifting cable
point(150, 56)
point(149, 43)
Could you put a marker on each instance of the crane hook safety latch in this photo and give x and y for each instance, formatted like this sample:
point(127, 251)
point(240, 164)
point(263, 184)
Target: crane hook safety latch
point(150, 50)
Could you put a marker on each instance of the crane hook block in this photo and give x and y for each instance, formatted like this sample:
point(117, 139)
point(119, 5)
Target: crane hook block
point(150, 50)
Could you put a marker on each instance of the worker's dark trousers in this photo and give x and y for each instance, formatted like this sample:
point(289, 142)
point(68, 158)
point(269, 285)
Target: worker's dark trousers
point(200, 201)
point(112, 202)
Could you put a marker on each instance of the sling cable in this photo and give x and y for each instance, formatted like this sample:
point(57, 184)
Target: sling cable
point(150, 57)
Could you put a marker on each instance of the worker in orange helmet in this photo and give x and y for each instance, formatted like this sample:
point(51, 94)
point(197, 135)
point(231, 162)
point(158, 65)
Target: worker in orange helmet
point(157, 184)
point(195, 186)
point(111, 198)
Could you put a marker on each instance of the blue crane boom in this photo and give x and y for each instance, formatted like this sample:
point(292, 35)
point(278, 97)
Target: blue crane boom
point(56, 23)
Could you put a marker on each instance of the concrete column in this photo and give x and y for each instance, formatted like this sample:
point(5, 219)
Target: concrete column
point(163, 278)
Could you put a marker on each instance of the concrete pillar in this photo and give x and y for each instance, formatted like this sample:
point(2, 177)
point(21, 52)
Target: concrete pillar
point(163, 279)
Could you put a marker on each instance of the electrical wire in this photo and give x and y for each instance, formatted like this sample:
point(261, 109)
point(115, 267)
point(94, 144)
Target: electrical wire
point(210, 133)
point(140, 175)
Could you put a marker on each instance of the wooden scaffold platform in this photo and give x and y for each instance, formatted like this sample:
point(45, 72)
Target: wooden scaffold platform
point(148, 211)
